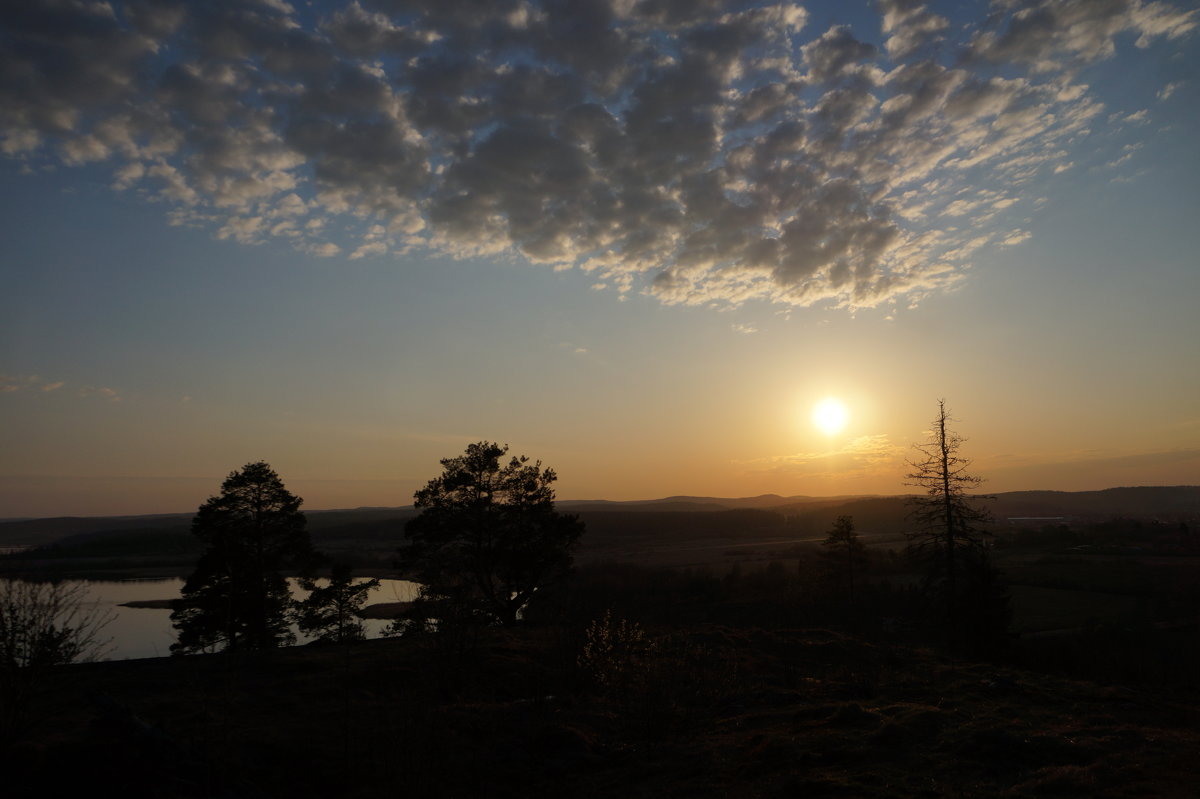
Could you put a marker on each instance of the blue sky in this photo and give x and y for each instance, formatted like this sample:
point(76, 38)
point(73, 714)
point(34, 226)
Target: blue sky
point(638, 241)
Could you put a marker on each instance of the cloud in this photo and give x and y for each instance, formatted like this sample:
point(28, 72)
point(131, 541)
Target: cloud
point(325, 249)
point(12, 384)
point(1048, 33)
point(103, 392)
point(738, 327)
point(1136, 118)
point(696, 153)
point(909, 25)
point(1166, 91)
point(1015, 237)
point(863, 455)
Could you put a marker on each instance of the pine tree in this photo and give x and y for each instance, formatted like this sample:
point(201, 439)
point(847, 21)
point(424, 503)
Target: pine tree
point(331, 612)
point(846, 552)
point(488, 536)
point(237, 597)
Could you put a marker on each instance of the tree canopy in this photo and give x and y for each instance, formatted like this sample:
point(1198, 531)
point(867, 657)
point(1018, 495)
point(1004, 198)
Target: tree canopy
point(331, 611)
point(488, 535)
point(237, 597)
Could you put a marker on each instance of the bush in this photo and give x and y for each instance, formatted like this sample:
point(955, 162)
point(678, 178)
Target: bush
point(42, 625)
point(655, 686)
point(614, 653)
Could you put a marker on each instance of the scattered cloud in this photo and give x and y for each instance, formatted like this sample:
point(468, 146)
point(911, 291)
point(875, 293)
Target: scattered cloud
point(1052, 34)
point(12, 384)
point(1015, 237)
point(863, 455)
point(103, 392)
point(738, 327)
point(692, 152)
point(1136, 118)
point(1166, 91)
point(324, 249)
point(909, 25)
point(1127, 152)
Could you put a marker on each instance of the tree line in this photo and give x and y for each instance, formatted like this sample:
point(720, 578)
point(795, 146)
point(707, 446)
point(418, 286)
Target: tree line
point(487, 538)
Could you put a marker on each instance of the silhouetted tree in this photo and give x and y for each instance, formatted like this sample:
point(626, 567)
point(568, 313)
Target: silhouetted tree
point(237, 597)
point(488, 535)
point(331, 612)
point(42, 624)
point(846, 551)
point(950, 538)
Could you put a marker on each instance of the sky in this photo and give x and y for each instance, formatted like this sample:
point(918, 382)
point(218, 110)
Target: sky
point(636, 240)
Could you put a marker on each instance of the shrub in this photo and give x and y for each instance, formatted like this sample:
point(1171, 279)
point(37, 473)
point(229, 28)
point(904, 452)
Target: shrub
point(42, 625)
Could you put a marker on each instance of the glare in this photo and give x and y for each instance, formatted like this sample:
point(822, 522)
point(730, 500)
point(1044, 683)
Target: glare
point(830, 416)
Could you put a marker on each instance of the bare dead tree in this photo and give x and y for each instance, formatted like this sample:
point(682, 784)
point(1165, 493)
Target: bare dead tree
point(948, 522)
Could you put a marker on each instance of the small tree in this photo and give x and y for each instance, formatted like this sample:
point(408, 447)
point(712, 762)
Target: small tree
point(846, 551)
point(331, 612)
point(949, 535)
point(42, 624)
point(488, 536)
point(237, 597)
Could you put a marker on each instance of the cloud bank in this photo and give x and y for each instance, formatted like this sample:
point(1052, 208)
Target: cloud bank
point(700, 151)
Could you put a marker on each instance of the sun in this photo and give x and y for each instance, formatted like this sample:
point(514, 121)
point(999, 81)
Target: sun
point(830, 416)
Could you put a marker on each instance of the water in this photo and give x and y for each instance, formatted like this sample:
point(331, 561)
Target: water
point(147, 632)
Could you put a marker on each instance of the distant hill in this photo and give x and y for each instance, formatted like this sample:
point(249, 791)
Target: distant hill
point(38, 532)
point(678, 504)
point(1167, 502)
point(804, 514)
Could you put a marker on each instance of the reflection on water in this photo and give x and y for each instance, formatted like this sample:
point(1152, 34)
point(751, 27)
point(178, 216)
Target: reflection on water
point(147, 632)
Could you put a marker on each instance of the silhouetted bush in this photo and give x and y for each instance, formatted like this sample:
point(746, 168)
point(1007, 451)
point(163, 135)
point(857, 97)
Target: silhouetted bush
point(656, 686)
point(42, 625)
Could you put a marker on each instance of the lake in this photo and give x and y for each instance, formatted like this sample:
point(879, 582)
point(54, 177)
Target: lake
point(147, 632)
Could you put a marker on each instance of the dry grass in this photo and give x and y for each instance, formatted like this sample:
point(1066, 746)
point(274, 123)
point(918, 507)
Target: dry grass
point(793, 712)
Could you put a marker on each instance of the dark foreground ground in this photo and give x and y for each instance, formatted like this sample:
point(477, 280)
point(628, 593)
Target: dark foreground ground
point(738, 683)
point(709, 711)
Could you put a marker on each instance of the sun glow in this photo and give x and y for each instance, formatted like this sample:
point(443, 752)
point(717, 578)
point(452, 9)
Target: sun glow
point(830, 416)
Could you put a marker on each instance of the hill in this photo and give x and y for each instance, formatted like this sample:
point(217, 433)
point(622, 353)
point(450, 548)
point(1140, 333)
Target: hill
point(369, 536)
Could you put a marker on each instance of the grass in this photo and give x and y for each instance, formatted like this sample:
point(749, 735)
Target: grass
point(747, 690)
point(1037, 609)
point(709, 710)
